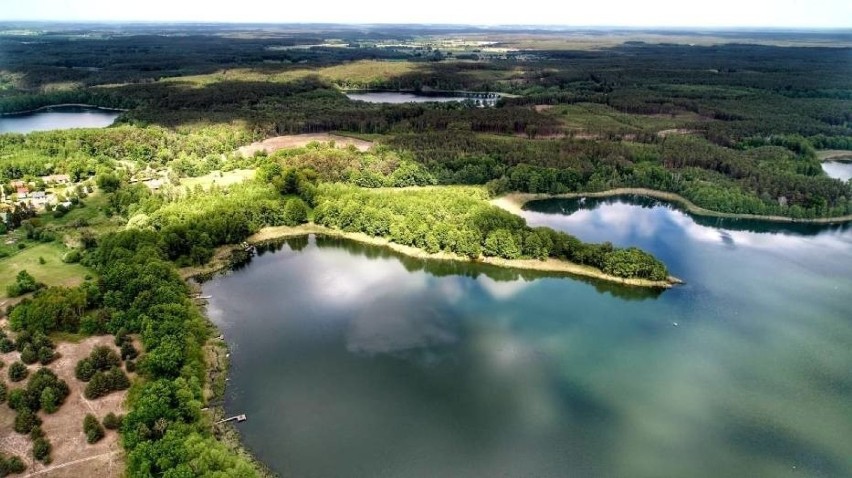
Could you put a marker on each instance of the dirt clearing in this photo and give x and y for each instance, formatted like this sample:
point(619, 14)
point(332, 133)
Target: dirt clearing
point(72, 456)
point(298, 140)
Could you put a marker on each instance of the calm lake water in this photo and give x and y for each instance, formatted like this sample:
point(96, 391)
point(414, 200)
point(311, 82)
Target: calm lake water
point(353, 361)
point(838, 169)
point(395, 97)
point(63, 117)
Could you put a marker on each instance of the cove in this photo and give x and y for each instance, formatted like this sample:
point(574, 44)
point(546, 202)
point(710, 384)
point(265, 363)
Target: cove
point(57, 117)
point(350, 360)
point(841, 170)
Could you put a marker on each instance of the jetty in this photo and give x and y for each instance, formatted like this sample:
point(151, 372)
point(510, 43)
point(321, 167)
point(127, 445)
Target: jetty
point(237, 418)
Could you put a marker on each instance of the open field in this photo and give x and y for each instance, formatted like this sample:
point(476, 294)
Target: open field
point(53, 272)
point(217, 178)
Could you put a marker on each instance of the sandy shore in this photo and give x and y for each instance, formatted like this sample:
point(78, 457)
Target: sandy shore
point(549, 265)
point(834, 155)
point(514, 203)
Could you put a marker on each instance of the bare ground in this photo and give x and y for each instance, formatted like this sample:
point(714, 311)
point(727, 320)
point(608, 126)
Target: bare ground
point(834, 155)
point(72, 456)
point(298, 140)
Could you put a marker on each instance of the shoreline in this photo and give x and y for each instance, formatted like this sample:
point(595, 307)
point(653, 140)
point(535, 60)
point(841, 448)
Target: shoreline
point(61, 105)
point(834, 155)
point(514, 202)
point(549, 265)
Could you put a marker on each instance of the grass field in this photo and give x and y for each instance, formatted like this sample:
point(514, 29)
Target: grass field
point(217, 178)
point(52, 272)
point(601, 120)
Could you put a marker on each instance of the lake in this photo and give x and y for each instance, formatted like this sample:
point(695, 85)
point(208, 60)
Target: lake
point(58, 117)
point(398, 97)
point(838, 169)
point(353, 361)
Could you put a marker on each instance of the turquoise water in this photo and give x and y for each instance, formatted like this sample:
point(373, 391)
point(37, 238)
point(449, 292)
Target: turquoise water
point(353, 361)
point(63, 117)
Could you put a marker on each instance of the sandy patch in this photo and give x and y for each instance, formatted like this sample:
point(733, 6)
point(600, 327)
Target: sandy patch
point(72, 456)
point(834, 155)
point(674, 132)
point(298, 140)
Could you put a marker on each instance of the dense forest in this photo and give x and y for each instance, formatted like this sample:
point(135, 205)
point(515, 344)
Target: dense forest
point(732, 127)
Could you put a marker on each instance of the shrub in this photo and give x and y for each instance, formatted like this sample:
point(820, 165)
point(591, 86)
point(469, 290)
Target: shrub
point(120, 336)
point(25, 420)
point(18, 371)
point(92, 428)
point(102, 383)
point(104, 358)
point(84, 370)
point(49, 400)
point(46, 390)
point(11, 465)
point(46, 355)
point(72, 257)
point(3, 391)
point(113, 421)
point(29, 355)
point(128, 351)
point(41, 450)
point(17, 398)
point(6, 345)
point(24, 282)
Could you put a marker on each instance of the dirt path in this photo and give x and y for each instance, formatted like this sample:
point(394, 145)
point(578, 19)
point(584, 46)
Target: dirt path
point(298, 140)
point(72, 463)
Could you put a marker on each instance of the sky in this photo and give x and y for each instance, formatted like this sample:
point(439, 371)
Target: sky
point(629, 13)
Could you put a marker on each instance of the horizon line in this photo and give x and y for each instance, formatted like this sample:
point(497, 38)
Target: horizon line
point(472, 25)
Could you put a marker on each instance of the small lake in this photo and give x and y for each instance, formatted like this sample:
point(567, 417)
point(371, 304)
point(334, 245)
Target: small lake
point(399, 97)
point(353, 361)
point(838, 169)
point(59, 117)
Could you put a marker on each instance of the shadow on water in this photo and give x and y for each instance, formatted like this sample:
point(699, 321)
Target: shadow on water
point(441, 268)
point(570, 206)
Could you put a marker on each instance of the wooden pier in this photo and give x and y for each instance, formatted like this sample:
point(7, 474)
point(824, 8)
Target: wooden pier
point(237, 418)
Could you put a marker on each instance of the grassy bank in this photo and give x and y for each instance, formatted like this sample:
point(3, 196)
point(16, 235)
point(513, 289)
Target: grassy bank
point(514, 203)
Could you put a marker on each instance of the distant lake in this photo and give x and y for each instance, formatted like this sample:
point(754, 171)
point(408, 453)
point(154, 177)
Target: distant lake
point(838, 169)
point(398, 97)
point(351, 360)
point(59, 117)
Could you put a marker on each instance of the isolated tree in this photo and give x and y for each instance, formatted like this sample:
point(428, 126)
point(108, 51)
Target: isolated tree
point(42, 449)
point(29, 355)
point(92, 428)
point(18, 371)
point(84, 370)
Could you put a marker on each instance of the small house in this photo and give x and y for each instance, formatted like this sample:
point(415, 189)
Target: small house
point(22, 192)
